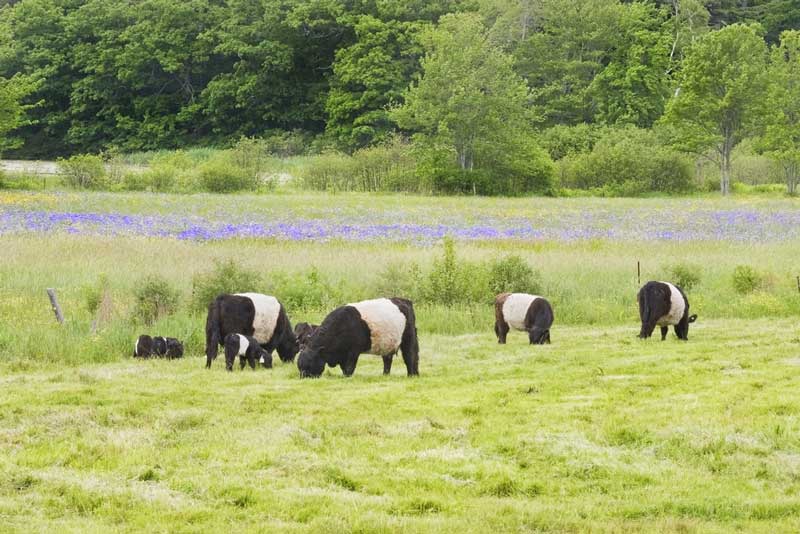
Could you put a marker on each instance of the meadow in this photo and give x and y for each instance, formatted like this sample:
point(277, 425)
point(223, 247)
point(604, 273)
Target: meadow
point(598, 432)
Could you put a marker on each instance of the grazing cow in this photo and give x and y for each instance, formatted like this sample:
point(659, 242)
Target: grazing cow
point(143, 347)
point(303, 333)
point(664, 304)
point(174, 348)
point(159, 346)
point(250, 314)
point(379, 326)
point(247, 349)
point(521, 311)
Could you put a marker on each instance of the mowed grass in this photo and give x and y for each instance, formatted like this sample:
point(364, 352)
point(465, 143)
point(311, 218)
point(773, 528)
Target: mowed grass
point(598, 432)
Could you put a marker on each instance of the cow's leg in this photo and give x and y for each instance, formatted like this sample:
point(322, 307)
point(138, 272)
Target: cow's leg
point(242, 361)
point(682, 330)
point(251, 359)
point(349, 364)
point(664, 331)
point(387, 363)
point(410, 349)
point(501, 329)
point(647, 329)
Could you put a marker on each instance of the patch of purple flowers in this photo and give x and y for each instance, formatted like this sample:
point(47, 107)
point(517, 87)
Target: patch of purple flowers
point(695, 223)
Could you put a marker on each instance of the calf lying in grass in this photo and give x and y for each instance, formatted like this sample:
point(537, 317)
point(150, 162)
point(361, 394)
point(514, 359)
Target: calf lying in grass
point(164, 347)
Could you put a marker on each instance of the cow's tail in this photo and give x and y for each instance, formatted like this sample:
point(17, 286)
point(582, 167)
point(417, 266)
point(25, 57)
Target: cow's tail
point(213, 333)
point(644, 310)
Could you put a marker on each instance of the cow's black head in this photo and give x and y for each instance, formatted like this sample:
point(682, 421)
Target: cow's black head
point(311, 363)
point(265, 358)
point(539, 336)
point(304, 332)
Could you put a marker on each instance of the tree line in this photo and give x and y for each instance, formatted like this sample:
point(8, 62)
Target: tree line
point(487, 90)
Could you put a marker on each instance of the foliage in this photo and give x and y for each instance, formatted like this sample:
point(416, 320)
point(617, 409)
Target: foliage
point(746, 279)
point(226, 174)
point(468, 111)
point(562, 140)
point(226, 277)
point(721, 85)
point(628, 162)
point(782, 134)
point(306, 292)
point(513, 275)
point(155, 298)
point(12, 109)
point(685, 275)
point(84, 172)
point(384, 167)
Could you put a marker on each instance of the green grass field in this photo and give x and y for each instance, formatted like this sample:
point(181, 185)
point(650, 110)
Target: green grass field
point(598, 432)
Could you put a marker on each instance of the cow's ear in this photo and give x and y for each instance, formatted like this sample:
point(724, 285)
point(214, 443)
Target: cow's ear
point(693, 318)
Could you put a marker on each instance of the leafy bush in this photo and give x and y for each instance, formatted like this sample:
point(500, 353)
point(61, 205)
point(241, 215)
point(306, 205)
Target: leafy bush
point(223, 174)
point(309, 291)
point(561, 140)
point(511, 274)
point(684, 275)
point(284, 144)
point(627, 162)
point(157, 178)
point(386, 167)
point(400, 280)
point(84, 172)
point(155, 297)
point(746, 279)
point(454, 281)
point(226, 277)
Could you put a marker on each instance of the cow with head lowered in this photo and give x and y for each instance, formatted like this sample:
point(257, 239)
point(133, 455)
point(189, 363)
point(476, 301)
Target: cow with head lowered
point(521, 311)
point(261, 317)
point(664, 304)
point(379, 326)
point(303, 332)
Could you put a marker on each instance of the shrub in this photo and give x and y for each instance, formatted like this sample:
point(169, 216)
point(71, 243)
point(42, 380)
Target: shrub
point(684, 275)
point(226, 277)
point(155, 297)
point(627, 162)
point(224, 174)
point(386, 167)
point(84, 172)
point(157, 178)
point(746, 279)
point(561, 140)
point(453, 281)
point(511, 274)
point(284, 144)
point(309, 291)
point(400, 280)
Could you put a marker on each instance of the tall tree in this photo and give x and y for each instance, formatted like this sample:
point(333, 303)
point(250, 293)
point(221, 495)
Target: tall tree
point(12, 109)
point(721, 86)
point(471, 105)
point(782, 133)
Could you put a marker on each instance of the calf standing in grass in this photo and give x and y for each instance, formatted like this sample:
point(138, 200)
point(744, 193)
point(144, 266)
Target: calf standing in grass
point(247, 349)
point(250, 314)
point(380, 326)
point(665, 305)
point(521, 311)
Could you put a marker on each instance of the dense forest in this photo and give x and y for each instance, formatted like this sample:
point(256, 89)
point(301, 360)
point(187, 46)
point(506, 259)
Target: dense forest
point(538, 76)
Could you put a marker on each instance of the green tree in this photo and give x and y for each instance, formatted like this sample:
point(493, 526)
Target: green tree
point(12, 109)
point(720, 93)
point(468, 112)
point(782, 133)
point(369, 75)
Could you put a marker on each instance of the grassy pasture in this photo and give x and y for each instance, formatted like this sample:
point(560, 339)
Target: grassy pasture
point(598, 432)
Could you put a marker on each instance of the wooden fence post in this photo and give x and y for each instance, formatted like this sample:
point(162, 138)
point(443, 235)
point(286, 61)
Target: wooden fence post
point(54, 303)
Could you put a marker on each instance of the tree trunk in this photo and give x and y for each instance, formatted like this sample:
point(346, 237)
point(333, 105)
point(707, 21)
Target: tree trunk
point(725, 167)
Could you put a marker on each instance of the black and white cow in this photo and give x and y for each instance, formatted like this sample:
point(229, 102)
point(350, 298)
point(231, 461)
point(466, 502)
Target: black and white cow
point(380, 326)
point(143, 347)
point(665, 305)
point(247, 349)
point(174, 348)
point(303, 333)
point(521, 311)
point(251, 314)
